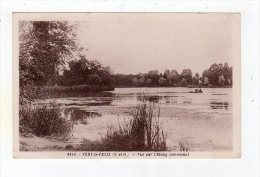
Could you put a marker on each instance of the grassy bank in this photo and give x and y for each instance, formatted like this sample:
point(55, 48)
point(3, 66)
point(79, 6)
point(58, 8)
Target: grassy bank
point(75, 90)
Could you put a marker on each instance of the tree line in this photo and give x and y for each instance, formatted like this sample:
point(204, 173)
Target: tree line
point(91, 72)
point(215, 75)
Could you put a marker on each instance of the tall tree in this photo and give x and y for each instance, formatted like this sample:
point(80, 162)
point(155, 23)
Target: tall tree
point(196, 79)
point(219, 74)
point(44, 45)
point(187, 74)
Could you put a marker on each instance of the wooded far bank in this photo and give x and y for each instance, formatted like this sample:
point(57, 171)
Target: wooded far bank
point(89, 72)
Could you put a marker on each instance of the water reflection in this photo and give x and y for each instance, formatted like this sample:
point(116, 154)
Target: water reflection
point(81, 94)
point(219, 105)
point(91, 102)
point(159, 98)
point(80, 116)
point(150, 98)
point(219, 94)
point(186, 102)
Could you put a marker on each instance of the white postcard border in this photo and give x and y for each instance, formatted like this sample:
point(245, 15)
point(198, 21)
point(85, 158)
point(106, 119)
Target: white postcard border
point(247, 165)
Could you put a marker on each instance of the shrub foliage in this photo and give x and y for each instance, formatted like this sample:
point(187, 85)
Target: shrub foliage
point(42, 121)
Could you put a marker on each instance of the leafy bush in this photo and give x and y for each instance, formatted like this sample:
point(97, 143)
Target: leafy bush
point(141, 133)
point(42, 121)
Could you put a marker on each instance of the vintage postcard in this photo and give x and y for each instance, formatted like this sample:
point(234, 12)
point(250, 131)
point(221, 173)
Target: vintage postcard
point(126, 85)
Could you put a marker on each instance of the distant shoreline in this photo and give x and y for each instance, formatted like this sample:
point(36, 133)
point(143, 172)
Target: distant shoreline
point(193, 86)
point(100, 88)
point(95, 90)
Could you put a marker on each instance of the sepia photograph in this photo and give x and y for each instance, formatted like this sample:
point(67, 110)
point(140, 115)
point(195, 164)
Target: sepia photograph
point(126, 85)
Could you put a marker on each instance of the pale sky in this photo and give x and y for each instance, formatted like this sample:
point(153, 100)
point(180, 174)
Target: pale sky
point(138, 42)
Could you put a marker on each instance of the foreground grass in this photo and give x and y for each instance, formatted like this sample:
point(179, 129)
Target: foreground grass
point(142, 133)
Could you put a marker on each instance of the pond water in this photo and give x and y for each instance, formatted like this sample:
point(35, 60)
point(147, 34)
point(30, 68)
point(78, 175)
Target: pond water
point(199, 121)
